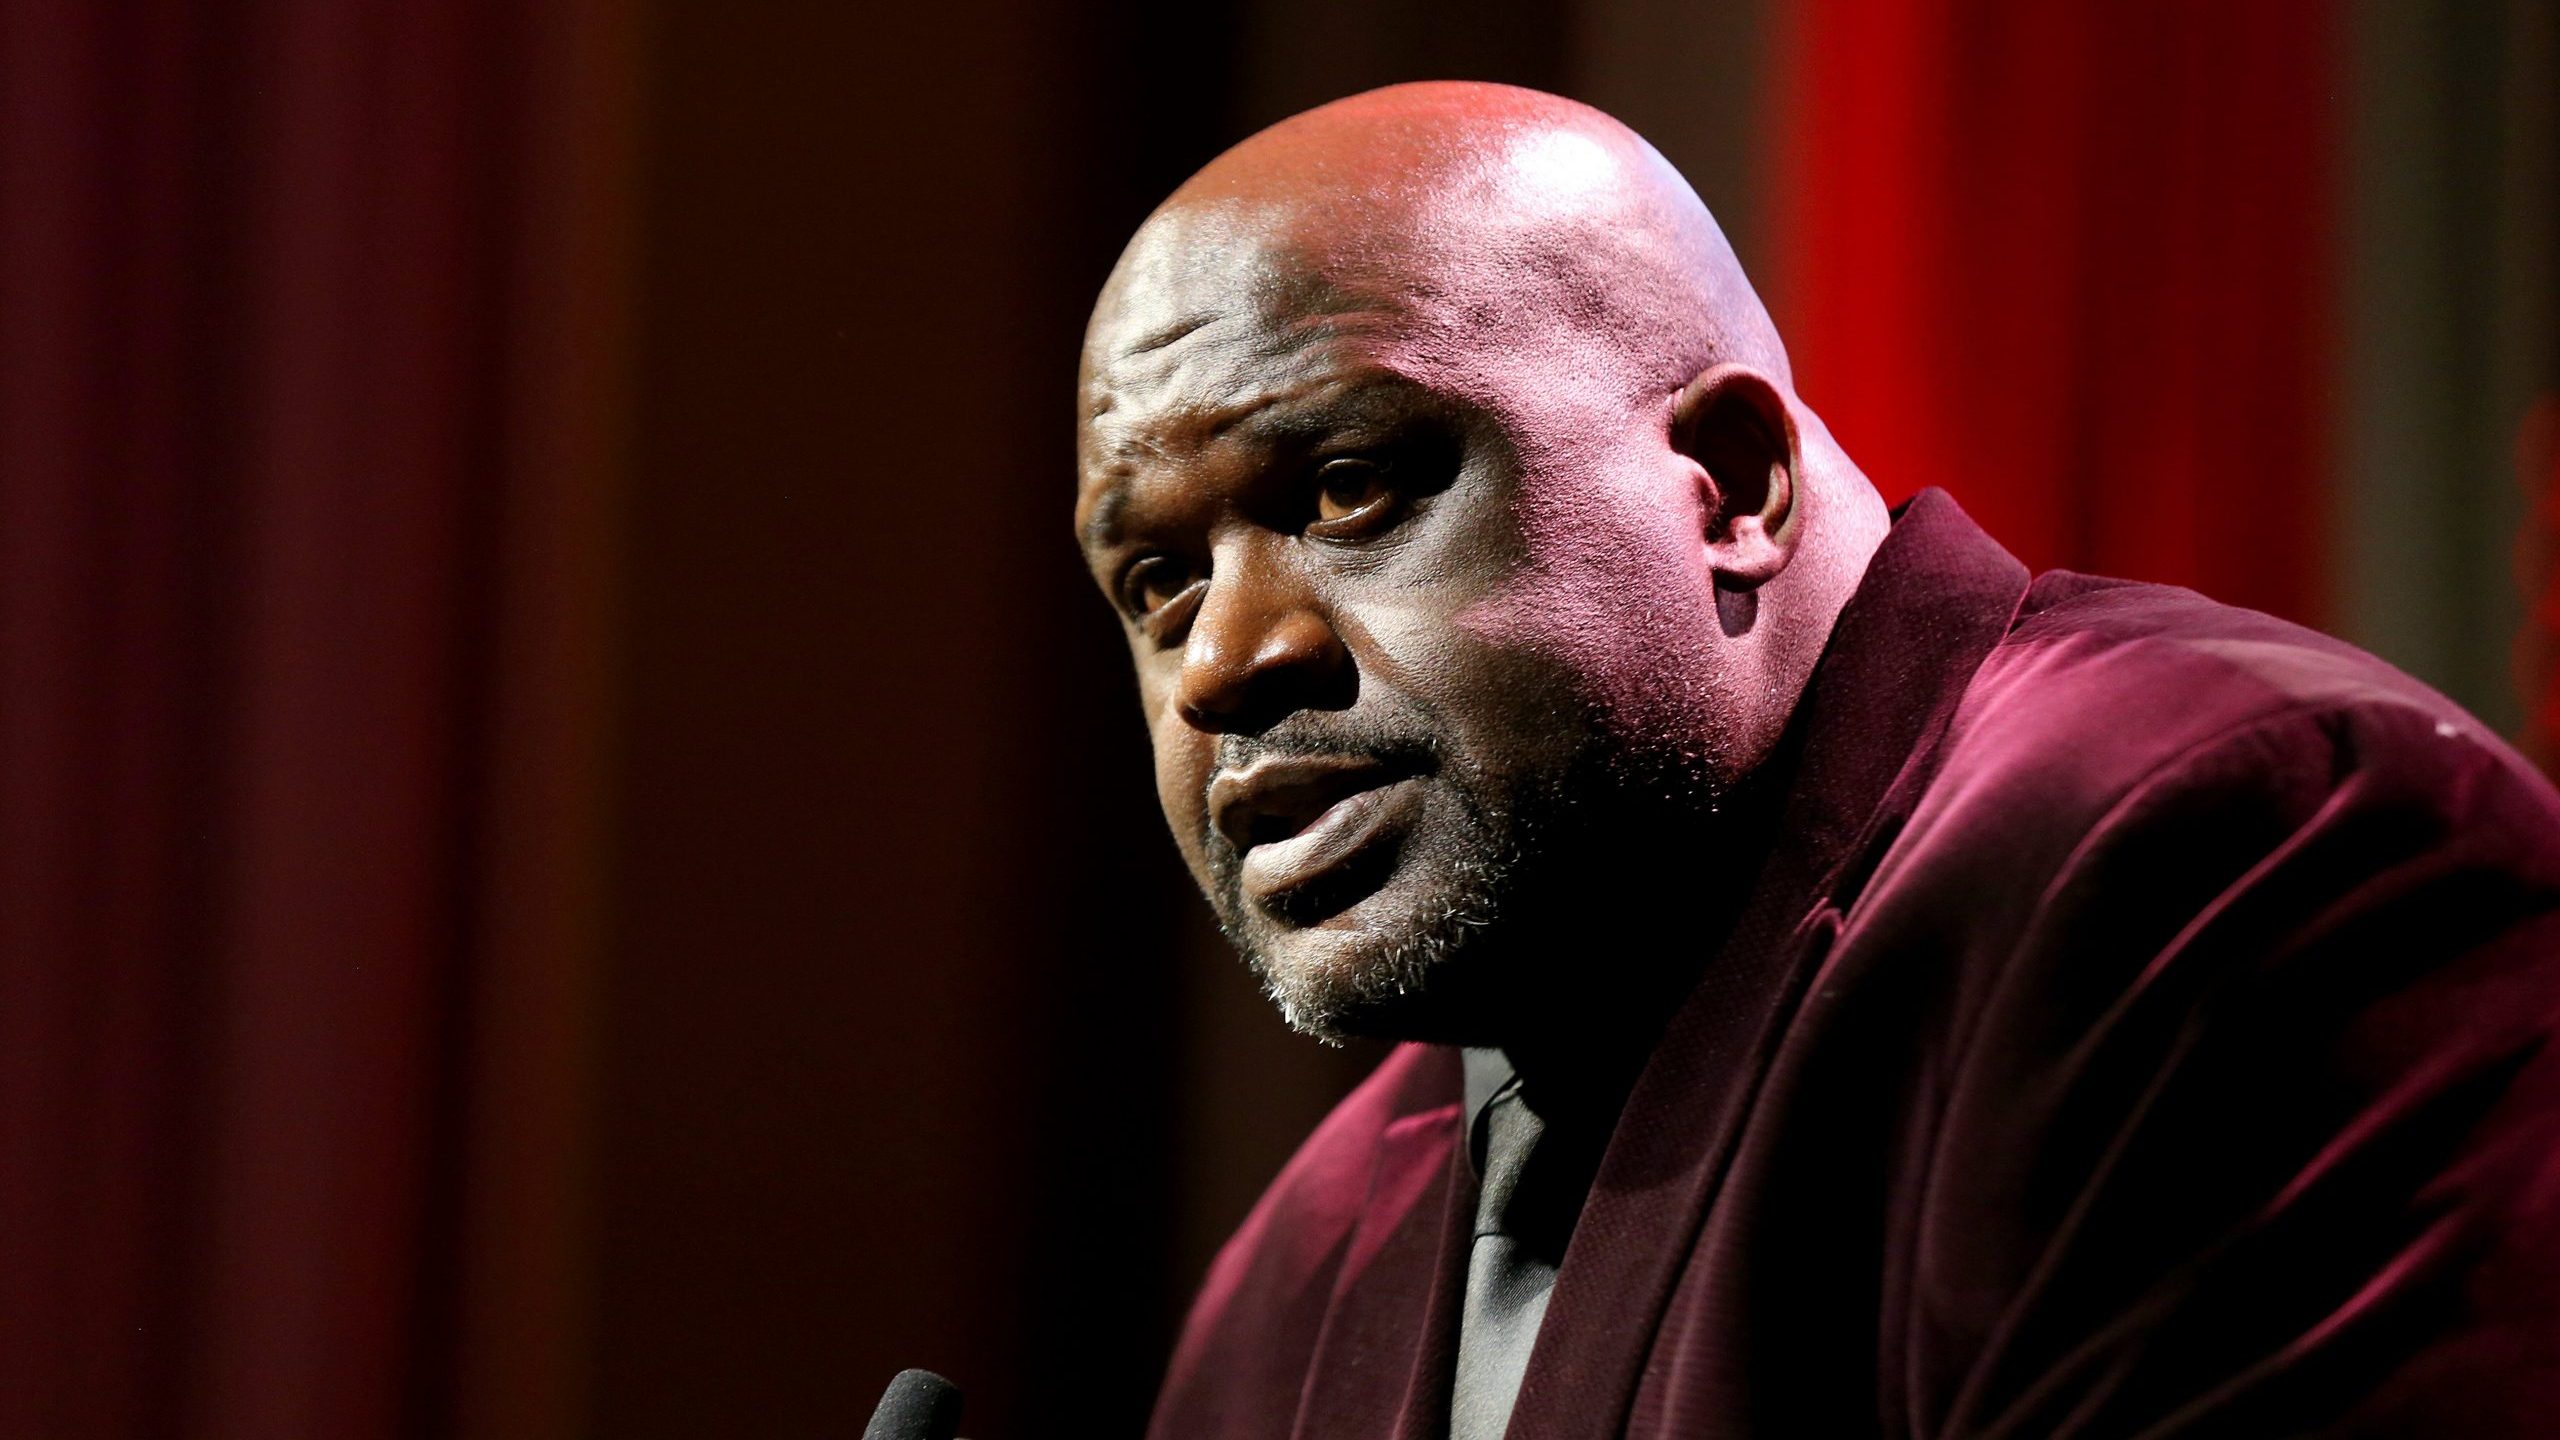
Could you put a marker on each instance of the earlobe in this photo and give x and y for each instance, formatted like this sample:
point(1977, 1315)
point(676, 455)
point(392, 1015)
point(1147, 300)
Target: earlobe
point(1737, 426)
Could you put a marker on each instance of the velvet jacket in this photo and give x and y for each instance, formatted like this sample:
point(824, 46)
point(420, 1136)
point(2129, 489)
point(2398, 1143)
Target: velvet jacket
point(2135, 1029)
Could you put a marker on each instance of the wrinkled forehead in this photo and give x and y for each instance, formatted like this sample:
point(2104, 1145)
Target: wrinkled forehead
point(1486, 280)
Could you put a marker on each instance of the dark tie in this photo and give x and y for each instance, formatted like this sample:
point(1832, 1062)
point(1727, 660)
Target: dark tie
point(1511, 1267)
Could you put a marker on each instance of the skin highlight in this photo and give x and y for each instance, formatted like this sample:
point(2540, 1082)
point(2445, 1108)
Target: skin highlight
point(1473, 550)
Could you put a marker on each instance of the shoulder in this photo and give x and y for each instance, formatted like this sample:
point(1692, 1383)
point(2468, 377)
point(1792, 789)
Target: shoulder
point(2127, 678)
point(1252, 1331)
point(2132, 761)
point(2250, 958)
point(2111, 704)
point(1317, 1197)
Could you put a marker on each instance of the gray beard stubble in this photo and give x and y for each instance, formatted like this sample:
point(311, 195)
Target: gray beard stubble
point(1506, 849)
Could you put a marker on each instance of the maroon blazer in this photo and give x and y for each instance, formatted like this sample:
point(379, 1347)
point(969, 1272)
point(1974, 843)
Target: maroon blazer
point(2136, 1030)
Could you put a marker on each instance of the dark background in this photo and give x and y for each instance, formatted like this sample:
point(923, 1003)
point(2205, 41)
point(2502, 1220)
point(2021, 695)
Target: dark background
point(576, 855)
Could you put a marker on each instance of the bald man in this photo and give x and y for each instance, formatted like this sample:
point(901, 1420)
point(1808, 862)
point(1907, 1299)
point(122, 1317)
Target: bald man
point(1854, 987)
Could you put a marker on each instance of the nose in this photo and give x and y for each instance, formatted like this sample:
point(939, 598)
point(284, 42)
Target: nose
point(1260, 648)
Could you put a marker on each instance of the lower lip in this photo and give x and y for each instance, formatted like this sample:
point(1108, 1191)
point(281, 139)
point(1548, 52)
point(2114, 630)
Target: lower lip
point(1331, 840)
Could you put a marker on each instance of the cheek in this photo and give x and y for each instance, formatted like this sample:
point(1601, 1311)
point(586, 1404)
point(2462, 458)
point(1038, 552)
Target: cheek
point(1183, 759)
point(1494, 679)
point(1612, 589)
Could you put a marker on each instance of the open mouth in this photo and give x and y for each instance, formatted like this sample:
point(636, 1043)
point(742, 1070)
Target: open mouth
point(1299, 822)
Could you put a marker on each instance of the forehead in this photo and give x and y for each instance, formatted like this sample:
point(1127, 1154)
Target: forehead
point(1189, 376)
point(1226, 324)
point(1215, 329)
point(1226, 394)
point(1214, 316)
point(1203, 296)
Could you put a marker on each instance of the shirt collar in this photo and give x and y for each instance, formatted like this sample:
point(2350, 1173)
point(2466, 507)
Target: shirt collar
point(1486, 1070)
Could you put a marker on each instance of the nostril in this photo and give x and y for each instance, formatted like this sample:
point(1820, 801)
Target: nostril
point(1201, 706)
point(1241, 677)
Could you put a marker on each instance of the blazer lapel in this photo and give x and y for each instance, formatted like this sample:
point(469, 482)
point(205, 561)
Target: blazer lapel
point(1376, 1372)
point(1938, 596)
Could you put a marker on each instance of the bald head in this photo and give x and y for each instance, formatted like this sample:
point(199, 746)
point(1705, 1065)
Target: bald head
point(1480, 208)
point(1470, 541)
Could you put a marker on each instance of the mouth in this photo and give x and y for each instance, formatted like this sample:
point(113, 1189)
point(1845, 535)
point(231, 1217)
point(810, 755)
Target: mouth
point(1298, 822)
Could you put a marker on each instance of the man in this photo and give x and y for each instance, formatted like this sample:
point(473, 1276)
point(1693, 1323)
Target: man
point(1859, 988)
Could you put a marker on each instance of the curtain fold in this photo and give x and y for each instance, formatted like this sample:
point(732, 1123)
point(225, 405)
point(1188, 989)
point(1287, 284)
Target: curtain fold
point(266, 451)
point(2074, 264)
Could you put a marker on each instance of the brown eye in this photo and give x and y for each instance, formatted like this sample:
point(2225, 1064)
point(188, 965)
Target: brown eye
point(1348, 486)
point(1152, 584)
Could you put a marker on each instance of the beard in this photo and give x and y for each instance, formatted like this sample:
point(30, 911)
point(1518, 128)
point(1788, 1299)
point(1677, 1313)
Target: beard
point(1500, 867)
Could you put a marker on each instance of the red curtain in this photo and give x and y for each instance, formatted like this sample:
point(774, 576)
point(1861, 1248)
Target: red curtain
point(310, 353)
point(301, 358)
point(2073, 263)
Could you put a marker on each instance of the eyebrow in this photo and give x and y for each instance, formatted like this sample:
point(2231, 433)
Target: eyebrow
point(1371, 398)
point(1101, 527)
point(1278, 420)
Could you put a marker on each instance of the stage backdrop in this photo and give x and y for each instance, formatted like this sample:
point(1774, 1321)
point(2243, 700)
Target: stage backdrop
point(575, 854)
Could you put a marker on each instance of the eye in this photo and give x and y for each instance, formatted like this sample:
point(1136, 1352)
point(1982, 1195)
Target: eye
point(1153, 583)
point(1352, 488)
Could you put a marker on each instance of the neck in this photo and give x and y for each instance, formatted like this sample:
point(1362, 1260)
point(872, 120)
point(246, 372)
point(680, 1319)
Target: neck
point(1616, 946)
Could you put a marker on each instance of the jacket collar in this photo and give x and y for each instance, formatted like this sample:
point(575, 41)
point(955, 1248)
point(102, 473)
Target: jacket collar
point(1937, 596)
point(1373, 1371)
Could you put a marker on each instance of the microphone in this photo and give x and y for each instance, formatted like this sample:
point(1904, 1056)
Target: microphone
point(919, 1405)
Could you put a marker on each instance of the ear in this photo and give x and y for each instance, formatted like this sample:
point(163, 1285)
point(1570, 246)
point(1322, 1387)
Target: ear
point(1735, 423)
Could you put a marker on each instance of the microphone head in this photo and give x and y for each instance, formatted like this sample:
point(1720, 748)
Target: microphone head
point(919, 1405)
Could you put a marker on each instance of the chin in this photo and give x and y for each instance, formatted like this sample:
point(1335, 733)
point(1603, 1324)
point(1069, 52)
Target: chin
point(1402, 963)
